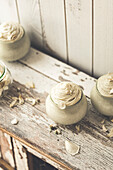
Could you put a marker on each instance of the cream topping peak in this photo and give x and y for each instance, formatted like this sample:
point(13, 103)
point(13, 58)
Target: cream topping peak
point(66, 94)
point(105, 85)
point(11, 32)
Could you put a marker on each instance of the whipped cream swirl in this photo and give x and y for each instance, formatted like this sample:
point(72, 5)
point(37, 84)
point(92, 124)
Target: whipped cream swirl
point(66, 94)
point(11, 32)
point(105, 85)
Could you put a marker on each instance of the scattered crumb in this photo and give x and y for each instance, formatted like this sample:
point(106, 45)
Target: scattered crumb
point(103, 121)
point(110, 134)
point(53, 127)
point(57, 65)
point(30, 85)
point(21, 100)
point(57, 131)
point(32, 100)
point(111, 91)
point(14, 121)
point(104, 128)
point(14, 103)
point(77, 128)
point(72, 148)
point(64, 72)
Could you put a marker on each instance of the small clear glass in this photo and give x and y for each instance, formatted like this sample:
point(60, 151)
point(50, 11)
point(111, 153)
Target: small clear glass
point(5, 79)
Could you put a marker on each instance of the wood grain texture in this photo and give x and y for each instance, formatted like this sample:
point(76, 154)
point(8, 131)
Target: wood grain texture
point(30, 18)
point(79, 33)
point(20, 153)
point(62, 72)
point(33, 128)
point(8, 11)
point(33, 121)
point(103, 37)
point(53, 28)
point(6, 149)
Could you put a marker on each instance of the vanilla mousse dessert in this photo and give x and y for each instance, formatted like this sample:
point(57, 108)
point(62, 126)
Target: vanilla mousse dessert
point(66, 104)
point(102, 95)
point(14, 42)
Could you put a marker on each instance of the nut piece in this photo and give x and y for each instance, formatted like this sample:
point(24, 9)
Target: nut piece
point(14, 121)
point(21, 100)
point(77, 128)
point(14, 102)
point(72, 148)
point(30, 85)
point(104, 128)
point(110, 134)
point(103, 121)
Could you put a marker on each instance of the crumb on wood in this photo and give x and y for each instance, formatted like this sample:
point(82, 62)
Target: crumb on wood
point(53, 127)
point(78, 128)
point(32, 100)
point(13, 103)
point(111, 120)
point(57, 131)
point(110, 134)
point(72, 148)
point(103, 121)
point(14, 121)
point(30, 85)
point(104, 128)
point(21, 100)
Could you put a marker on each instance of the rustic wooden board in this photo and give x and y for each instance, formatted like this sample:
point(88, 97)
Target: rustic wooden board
point(53, 28)
point(20, 153)
point(45, 64)
point(29, 14)
point(79, 33)
point(33, 128)
point(8, 11)
point(6, 149)
point(103, 37)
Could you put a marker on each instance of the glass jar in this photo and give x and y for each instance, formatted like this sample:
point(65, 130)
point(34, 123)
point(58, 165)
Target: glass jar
point(5, 79)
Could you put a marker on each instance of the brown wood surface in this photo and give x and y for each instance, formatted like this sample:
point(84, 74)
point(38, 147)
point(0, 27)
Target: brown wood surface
point(33, 129)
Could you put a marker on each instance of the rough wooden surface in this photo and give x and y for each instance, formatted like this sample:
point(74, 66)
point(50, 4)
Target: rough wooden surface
point(33, 129)
point(79, 33)
point(8, 11)
point(29, 14)
point(103, 37)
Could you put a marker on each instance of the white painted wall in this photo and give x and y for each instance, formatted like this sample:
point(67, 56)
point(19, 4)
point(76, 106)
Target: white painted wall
point(79, 32)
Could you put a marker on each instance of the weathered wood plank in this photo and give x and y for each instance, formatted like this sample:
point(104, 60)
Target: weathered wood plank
point(94, 143)
point(62, 72)
point(79, 33)
point(95, 146)
point(8, 11)
point(20, 155)
point(103, 37)
point(53, 28)
point(4, 165)
point(6, 149)
point(30, 18)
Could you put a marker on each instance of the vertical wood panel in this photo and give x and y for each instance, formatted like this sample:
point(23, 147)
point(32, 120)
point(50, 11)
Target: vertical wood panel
point(6, 149)
point(29, 13)
point(8, 11)
point(53, 28)
point(79, 33)
point(20, 156)
point(103, 37)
